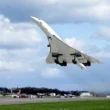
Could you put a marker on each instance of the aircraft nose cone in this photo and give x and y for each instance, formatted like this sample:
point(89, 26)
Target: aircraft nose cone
point(36, 20)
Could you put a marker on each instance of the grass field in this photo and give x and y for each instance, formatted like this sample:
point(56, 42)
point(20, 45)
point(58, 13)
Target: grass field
point(5, 96)
point(74, 105)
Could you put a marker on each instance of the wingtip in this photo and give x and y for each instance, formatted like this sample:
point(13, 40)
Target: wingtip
point(99, 62)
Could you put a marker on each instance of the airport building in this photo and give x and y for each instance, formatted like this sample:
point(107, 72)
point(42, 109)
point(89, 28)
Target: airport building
point(86, 94)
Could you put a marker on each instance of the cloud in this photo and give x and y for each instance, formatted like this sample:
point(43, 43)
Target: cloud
point(18, 45)
point(102, 54)
point(51, 73)
point(21, 35)
point(89, 48)
point(76, 11)
point(102, 38)
point(7, 66)
point(22, 60)
point(103, 33)
point(98, 52)
point(73, 42)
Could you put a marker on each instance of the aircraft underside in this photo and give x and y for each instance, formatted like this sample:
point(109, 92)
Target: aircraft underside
point(77, 58)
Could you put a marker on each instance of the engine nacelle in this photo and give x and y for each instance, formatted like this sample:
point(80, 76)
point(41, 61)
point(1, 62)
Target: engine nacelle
point(87, 64)
point(74, 61)
point(64, 63)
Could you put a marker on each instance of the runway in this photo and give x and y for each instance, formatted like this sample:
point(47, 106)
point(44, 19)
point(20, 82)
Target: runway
point(39, 100)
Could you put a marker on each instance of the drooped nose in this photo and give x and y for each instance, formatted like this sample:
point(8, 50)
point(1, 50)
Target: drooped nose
point(36, 20)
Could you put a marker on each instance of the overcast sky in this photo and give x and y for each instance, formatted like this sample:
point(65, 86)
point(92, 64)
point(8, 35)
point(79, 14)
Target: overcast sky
point(83, 24)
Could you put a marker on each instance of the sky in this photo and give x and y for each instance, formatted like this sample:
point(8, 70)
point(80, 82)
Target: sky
point(82, 24)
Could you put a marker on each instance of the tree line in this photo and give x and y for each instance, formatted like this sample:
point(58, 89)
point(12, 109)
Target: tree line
point(35, 90)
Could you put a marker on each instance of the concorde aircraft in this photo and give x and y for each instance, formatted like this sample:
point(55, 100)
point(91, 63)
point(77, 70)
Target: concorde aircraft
point(61, 53)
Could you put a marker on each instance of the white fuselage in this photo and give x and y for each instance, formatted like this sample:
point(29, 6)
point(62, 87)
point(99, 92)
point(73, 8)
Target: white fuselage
point(45, 28)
